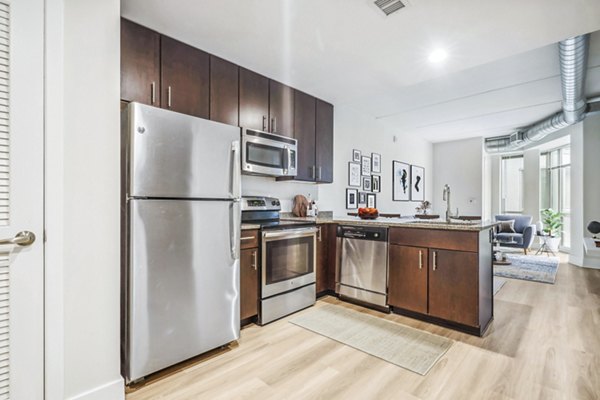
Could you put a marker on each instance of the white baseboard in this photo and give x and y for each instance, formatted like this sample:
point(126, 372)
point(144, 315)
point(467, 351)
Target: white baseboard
point(114, 390)
point(576, 260)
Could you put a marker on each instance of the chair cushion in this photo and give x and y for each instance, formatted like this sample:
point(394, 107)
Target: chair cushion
point(505, 237)
point(521, 221)
point(507, 226)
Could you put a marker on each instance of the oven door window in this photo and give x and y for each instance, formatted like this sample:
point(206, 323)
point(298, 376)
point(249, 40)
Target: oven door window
point(289, 258)
point(266, 156)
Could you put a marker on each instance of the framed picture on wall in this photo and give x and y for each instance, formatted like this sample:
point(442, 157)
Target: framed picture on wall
point(362, 198)
point(356, 155)
point(354, 174)
point(375, 183)
point(376, 163)
point(417, 183)
point(366, 183)
point(366, 165)
point(371, 200)
point(400, 181)
point(351, 198)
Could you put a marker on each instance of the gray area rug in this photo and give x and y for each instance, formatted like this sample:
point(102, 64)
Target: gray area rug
point(529, 268)
point(498, 283)
point(398, 344)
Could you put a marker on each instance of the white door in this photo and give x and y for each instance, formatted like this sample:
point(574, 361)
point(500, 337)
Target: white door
point(21, 198)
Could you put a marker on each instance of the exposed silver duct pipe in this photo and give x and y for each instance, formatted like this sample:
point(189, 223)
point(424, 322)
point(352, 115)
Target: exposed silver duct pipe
point(573, 55)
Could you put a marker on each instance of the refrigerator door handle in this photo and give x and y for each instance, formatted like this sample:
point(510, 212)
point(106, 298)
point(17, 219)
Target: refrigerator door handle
point(235, 214)
point(236, 173)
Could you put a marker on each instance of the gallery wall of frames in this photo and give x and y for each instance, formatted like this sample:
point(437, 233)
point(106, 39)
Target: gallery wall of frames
point(364, 181)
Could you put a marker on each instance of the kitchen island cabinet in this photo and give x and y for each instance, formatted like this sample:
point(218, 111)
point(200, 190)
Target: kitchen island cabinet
point(442, 276)
point(249, 279)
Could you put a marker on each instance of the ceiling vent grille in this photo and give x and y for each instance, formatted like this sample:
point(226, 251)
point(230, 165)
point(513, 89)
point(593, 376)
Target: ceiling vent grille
point(389, 6)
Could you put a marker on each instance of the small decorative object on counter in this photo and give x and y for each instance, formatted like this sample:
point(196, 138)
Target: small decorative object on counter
point(368, 213)
point(594, 228)
point(423, 207)
point(310, 212)
point(300, 206)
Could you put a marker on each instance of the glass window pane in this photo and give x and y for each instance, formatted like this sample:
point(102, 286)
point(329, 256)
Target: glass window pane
point(554, 192)
point(565, 156)
point(554, 159)
point(565, 190)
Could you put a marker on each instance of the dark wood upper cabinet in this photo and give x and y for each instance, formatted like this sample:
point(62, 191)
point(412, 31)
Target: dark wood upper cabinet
point(248, 283)
point(281, 109)
point(254, 100)
point(324, 142)
point(453, 286)
point(224, 91)
point(408, 286)
point(304, 132)
point(184, 78)
point(140, 64)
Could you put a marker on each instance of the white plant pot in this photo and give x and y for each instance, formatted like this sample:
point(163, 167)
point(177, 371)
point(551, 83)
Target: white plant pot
point(553, 243)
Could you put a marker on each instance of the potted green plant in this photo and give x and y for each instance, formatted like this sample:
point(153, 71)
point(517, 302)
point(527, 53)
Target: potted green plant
point(553, 222)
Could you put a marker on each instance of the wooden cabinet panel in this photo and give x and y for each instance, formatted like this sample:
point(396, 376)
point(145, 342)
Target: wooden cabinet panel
point(304, 132)
point(408, 268)
point(453, 286)
point(324, 142)
point(440, 239)
point(254, 100)
point(281, 109)
point(184, 78)
point(249, 239)
point(248, 283)
point(224, 91)
point(140, 64)
point(322, 273)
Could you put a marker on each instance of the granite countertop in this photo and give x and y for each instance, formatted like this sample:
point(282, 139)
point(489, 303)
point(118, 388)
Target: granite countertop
point(404, 222)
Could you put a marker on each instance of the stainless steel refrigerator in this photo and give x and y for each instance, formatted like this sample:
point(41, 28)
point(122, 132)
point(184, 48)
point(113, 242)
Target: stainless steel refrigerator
point(180, 228)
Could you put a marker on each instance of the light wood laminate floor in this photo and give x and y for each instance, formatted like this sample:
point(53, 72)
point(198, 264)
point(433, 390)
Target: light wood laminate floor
point(544, 343)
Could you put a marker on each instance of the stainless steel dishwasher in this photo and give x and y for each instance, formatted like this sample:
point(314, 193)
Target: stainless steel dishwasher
point(363, 264)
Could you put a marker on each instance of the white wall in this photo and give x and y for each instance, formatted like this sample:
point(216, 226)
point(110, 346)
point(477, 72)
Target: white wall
point(353, 130)
point(576, 255)
point(531, 183)
point(82, 186)
point(459, 164)
point(283, 190)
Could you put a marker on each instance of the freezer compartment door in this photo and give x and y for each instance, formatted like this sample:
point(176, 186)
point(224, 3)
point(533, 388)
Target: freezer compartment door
point(183, 289)
point(178, 156)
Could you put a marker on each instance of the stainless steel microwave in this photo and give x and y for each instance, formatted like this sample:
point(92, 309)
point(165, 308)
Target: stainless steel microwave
point(265, 153)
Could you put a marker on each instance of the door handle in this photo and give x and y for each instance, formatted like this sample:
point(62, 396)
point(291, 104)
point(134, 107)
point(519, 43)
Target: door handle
point(255, 259)
point(435, 260)
point(273, 124)
point(23, 239)
point(153, 92)
point(319, 173)
point(169, 97)
point(264, 123)
point(236, 173)
point(420, 259)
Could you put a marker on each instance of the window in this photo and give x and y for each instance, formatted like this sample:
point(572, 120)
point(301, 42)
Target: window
point(512, 184)
point(555, 186)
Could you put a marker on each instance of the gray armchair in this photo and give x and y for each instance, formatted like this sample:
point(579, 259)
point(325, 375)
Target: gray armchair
point(524, 232)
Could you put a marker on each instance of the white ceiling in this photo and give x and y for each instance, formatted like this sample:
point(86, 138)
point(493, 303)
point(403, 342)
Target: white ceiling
point(501, 73)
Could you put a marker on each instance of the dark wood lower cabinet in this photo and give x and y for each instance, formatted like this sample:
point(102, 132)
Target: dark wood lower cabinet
point(454, 286)
point(408, 269)
point(321, 269)
point(248, 283)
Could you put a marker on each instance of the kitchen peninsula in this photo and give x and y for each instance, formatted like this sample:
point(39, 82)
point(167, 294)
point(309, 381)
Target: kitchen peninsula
point(438, 272)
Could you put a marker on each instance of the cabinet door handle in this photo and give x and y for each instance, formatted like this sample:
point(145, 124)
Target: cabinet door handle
point(153, 92)
point(274, 124)
point(247, 237)
point(313, 170)
point(319, 173)
point(319, 236)
point(420, 259)
point(169, 97)
point(435, 260)
point(255, 260)
point(264, 123)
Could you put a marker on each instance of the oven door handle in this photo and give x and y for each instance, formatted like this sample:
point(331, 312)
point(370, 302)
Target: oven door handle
point(286, 159)
point(290, 233)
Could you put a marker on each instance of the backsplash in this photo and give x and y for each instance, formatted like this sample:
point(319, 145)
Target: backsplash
point(283, 190)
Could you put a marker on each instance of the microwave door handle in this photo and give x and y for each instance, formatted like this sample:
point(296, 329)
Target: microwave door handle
point(236, 172)
point(287, 159)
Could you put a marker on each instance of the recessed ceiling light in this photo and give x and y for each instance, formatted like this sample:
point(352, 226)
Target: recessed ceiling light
point(438, 55)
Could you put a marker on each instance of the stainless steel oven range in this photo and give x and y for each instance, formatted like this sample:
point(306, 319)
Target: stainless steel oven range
point(288, 259)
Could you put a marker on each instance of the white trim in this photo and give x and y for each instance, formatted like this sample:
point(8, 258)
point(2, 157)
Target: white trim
point(576, 260)
point(54, 200)
point(111, 390)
